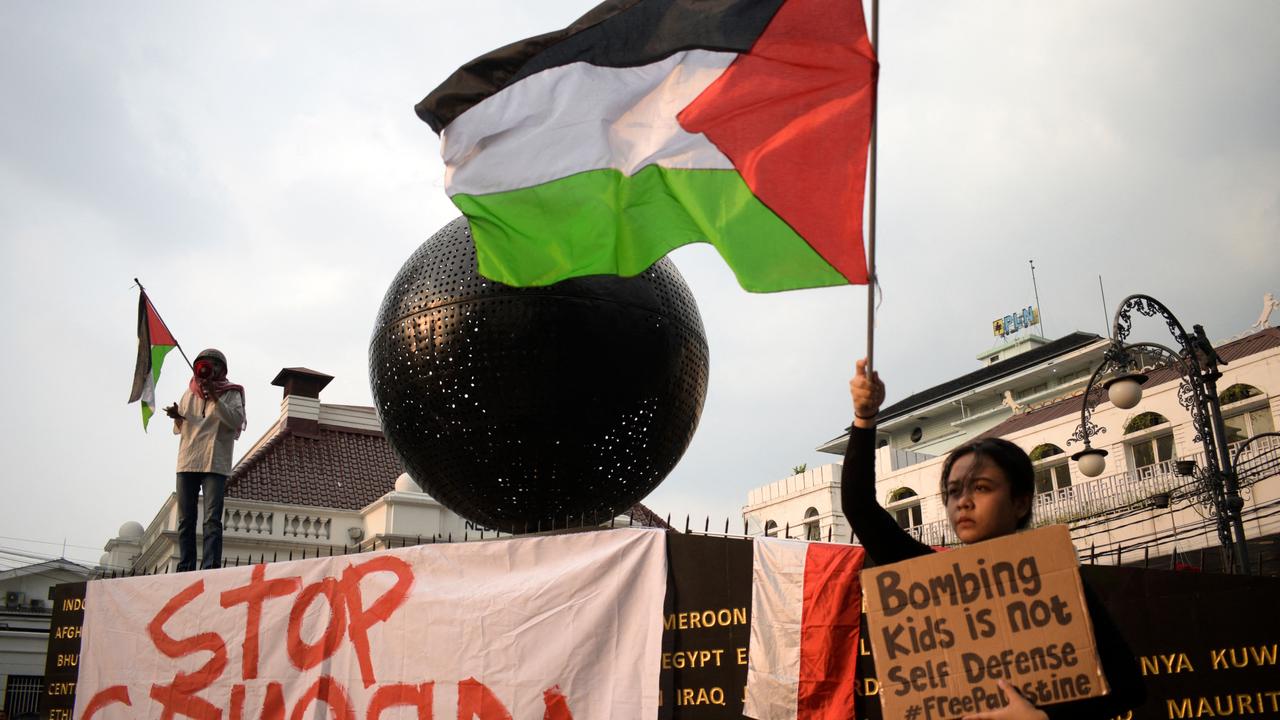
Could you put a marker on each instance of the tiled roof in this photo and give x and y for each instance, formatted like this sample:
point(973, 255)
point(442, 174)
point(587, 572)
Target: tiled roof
point(646, 517)
point(990, 373)
point(342, 468)
point(1250, 344)
point(1264, 339)
point(42, 568)
point(978, 378)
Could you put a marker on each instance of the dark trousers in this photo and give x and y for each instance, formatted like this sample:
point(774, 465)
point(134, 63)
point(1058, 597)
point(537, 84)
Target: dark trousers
point(190, 484)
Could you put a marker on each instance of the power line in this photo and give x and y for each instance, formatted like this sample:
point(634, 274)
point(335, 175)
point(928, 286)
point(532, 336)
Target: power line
point(43, 558)
point(39, 573)
point(47, 542)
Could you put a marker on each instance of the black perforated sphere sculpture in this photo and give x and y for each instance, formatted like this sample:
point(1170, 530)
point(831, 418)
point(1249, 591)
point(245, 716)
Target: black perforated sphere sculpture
point(532, 408)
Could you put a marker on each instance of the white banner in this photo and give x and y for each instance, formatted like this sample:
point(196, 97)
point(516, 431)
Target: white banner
point(551, 628)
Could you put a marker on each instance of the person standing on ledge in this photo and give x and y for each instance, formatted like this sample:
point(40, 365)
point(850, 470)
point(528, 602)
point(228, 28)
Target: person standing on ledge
point(209, 419)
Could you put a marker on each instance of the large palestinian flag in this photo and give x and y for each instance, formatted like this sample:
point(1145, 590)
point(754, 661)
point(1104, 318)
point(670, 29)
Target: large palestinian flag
point(154, 342)
point(650, 124)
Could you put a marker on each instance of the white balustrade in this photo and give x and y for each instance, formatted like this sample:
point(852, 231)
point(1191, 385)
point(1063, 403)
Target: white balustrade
point(253, 522)
point(307, 526)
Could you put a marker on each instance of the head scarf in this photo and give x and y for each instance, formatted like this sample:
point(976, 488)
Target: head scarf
point(218, 383)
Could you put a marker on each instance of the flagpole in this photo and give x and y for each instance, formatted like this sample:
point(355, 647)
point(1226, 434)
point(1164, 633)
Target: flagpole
point(871, 215)
point(165, 324)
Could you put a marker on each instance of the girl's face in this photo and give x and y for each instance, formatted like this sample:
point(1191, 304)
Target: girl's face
point(980, 502)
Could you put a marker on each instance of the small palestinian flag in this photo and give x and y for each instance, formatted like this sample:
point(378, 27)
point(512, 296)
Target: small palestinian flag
point(650, 124)
point(154, 342)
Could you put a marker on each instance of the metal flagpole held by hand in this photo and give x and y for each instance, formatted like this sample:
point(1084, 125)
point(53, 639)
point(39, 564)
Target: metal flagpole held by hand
point(871, 215)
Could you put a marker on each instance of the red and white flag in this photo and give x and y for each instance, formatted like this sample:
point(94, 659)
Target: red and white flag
point(806, 613)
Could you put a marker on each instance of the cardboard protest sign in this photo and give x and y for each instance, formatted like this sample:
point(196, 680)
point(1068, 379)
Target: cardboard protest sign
point(946, 627)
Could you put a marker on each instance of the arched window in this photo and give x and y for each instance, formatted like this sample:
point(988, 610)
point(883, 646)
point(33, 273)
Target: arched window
point(904, 505)
point(1143, 421)
point(1152, 448)
point(1245, 419)
point(1238, 392)
point(1040, 452)
point(1052, 470)
point(770, 528)
point(812, 529)
point(901, 493)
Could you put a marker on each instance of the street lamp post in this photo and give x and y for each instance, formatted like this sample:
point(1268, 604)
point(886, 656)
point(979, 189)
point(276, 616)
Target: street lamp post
point(1197, 363)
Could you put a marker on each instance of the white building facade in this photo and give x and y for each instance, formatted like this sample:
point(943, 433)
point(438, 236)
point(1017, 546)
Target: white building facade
point(1140, 508)
point(24, 630)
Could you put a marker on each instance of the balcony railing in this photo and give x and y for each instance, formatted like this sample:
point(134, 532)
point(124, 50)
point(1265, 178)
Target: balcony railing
point(249, 521)
point(255, 521)
point(1106, 494)
point(1098, 498)
point(934, 533)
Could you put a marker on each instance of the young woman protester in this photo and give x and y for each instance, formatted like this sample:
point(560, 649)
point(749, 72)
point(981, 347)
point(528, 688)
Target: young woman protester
point(987, 485)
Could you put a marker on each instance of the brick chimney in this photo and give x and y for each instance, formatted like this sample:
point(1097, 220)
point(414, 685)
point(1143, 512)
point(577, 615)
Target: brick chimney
point(300, 408)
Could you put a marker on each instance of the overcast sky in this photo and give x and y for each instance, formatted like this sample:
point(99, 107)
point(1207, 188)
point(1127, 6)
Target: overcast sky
point(260, 168)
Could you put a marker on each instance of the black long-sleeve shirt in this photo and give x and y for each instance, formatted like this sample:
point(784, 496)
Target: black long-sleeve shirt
point(877, 530)
point(886, 542)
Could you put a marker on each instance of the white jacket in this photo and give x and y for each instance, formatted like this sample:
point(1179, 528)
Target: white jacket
point(209, 428)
